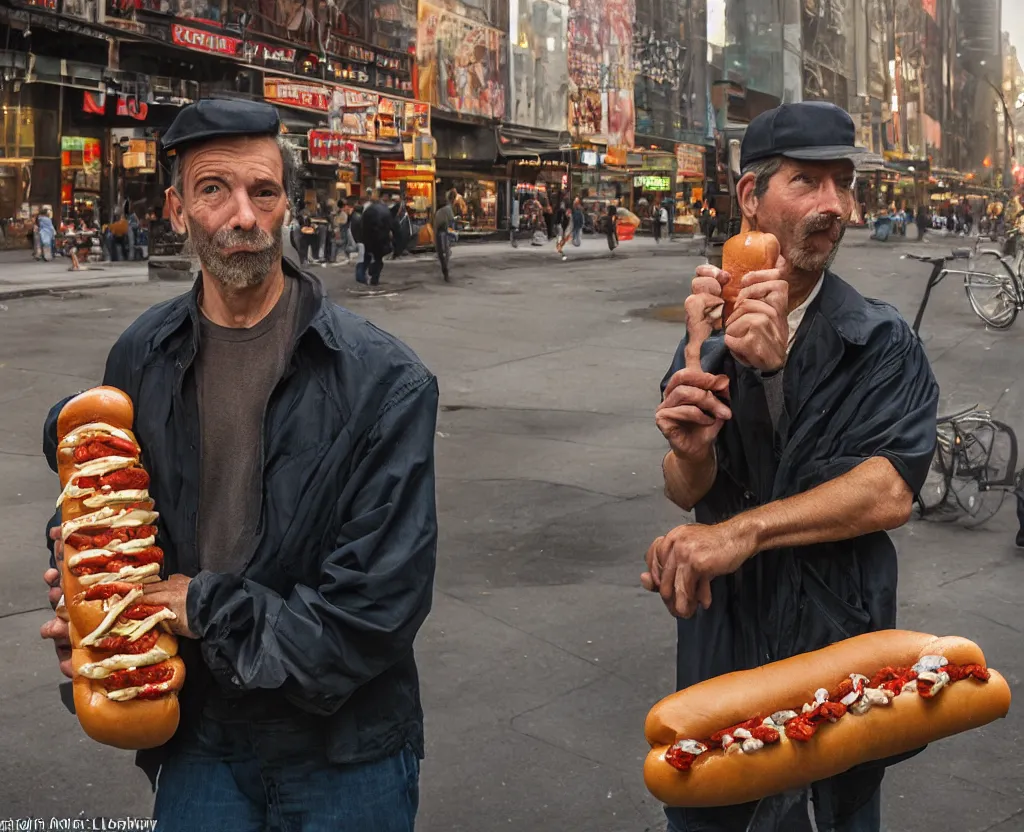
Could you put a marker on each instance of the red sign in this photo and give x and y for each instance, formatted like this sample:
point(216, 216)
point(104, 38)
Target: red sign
point(204, 41)
point(297, 94)
point(327, 148)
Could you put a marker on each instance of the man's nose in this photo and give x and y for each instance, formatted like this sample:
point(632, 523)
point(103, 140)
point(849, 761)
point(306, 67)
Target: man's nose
point(244, 217)
point(830, 198)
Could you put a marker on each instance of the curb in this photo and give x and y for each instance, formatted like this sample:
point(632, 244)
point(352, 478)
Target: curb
point(62, 288)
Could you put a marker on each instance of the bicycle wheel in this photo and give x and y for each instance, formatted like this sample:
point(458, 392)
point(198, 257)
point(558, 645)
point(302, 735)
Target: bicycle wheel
point(983, 468)
point(991, 289)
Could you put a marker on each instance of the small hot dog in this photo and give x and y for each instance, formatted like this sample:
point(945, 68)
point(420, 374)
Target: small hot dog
point(754, 733)
point(748, 251)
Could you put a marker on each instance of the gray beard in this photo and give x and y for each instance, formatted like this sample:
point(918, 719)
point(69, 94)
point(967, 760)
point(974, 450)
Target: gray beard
point(814, 262)
point(243, 269)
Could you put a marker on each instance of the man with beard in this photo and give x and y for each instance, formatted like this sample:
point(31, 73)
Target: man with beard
point(290, 448)
point(799, 441)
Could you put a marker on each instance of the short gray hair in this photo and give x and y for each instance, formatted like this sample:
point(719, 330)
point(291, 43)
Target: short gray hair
point(764, 170)
point(289, 163)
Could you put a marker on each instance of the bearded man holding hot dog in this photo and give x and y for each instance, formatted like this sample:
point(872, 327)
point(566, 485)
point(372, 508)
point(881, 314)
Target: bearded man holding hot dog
point(290, 449)
point(800, 439)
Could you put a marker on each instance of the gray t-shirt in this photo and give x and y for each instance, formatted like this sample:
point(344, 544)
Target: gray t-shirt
point(236, 371)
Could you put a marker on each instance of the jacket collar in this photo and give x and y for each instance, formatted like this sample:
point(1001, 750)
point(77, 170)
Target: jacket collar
point(845, 310)
point(315, 311)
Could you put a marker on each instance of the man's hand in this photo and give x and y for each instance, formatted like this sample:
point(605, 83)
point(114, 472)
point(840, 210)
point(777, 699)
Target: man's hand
point(57, 627)
point(690, 415)
point(757, 332)
point(682, 563)
point(172, 594)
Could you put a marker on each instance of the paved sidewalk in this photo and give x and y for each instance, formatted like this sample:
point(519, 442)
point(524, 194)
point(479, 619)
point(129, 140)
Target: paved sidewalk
point(21, 276)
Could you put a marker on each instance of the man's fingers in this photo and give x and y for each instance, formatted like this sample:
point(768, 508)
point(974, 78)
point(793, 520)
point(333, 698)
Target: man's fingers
point(704, 593)
point(749, 313)
point(775, 292)
point(704, 399)
point(696, 378)
point(647, 581)
point(705, 286)
point(760, 276)
point(707, 270)
point(57, 630)
point(685, 586)
point(54, 532)
point(684, 416)
point(52, 577)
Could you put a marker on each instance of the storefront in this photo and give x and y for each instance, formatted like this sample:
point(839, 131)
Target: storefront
point(414, 183)
point(689, 187)
point(466, 161)
point(18, 147)
point(81, 168)
point(349, 133)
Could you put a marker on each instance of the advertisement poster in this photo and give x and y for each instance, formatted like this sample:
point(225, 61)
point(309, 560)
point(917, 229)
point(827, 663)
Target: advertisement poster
point(205, 41)
point(600, 39)
point(689, 162)
point(329, 148)
point(417, 119)
point(461, 63)
point(540, 63)
point(297, 94)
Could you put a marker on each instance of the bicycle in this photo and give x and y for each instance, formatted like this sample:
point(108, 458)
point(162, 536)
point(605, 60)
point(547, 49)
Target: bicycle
point(973, 469)
point(975, 460)
point(995, 283)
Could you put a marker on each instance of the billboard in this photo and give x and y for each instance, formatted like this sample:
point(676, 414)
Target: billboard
point(601, 70)
point(540, 63)
point(462, 63)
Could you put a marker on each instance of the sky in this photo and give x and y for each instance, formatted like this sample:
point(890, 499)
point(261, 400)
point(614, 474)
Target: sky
point(1013, 22)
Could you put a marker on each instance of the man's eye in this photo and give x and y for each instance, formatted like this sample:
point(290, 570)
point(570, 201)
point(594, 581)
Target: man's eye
point(211, 189)
point(266, 194)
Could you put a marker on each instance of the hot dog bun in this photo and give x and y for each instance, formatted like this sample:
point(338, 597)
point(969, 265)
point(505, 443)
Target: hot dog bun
point(748, 251)
point(132, 725)
point(126, 672)
point(910, 721)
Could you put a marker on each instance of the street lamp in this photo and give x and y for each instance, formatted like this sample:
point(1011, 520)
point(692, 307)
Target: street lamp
point(1007, 167)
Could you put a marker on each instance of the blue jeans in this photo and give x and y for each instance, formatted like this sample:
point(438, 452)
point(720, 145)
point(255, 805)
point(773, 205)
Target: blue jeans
point(270, 776)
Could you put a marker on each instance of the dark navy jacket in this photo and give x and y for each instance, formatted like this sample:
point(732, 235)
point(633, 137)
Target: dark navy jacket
point(856, 385)
point(322, 618)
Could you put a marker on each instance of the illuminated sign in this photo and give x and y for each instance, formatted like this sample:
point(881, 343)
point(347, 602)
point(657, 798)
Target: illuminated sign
point(653, 183)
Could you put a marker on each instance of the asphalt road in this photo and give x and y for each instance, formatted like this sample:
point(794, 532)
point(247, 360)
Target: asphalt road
point(542, 654)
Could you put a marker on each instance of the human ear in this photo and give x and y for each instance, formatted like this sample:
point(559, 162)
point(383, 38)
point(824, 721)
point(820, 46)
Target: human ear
point(747, 201)
point(177, 210)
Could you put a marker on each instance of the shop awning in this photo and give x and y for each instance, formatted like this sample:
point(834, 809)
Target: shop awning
point(526, 143)
point(870, 162)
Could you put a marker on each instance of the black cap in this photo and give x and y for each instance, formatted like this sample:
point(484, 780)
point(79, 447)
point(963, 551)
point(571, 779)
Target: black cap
point(214, 118)
point(810, 130)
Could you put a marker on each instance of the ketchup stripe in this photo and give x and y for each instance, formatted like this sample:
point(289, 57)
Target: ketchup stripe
point(802, 727)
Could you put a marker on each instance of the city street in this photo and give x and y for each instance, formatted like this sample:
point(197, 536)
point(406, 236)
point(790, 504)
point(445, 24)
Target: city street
point(542, 654)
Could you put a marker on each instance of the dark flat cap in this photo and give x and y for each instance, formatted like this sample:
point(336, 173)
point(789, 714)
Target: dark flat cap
point(214, 118)
point(810, 130)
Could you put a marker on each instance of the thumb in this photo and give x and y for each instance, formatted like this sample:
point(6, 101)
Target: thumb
point(781, 263)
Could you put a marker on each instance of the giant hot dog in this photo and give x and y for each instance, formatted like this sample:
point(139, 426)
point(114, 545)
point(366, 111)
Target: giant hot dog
point(754, 733)
point(126, 671)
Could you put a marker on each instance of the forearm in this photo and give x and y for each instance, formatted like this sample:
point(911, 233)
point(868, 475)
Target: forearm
point(872, 497)
point(687, 481)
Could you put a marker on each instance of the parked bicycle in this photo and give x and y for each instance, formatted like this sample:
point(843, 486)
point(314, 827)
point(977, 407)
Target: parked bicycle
point(995, 284)
point(975, 461)
point(973, 469)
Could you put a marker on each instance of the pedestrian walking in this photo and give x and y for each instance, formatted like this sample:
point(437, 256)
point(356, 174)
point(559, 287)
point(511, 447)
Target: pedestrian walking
point(578, 221)
point(656, 222)
point(46, 235)
point(355, 222)
point(289, 446)
point(444, 225)
point(799, 440)
point(611, 229)
point(566, 227)
point(378, 232)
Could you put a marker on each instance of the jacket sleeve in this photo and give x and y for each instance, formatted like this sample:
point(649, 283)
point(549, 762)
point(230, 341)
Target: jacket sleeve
point(890, 413)
point(321, 643)
point(116, 374)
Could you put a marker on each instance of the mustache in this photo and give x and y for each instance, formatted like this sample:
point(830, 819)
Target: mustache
point(253, 238)
point(819, 222)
